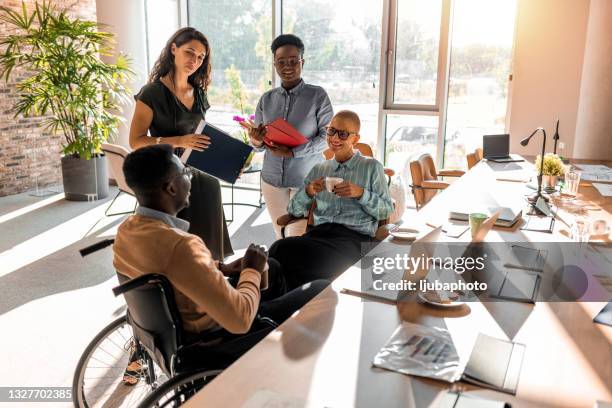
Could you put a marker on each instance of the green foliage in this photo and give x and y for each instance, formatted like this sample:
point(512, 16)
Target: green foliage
point(238, 91)
point(67, 81)
point(553, 166)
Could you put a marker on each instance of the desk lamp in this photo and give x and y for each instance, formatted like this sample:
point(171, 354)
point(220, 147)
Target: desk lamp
point(538, 201)
point(556, 137)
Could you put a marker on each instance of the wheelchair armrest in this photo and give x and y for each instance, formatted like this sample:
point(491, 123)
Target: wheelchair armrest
point(287, 219)
point(265, 321)
point(450, 173)
point(141, 280)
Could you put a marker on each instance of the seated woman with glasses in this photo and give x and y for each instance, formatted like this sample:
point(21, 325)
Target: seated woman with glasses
point(351, 196)
point(307, 108)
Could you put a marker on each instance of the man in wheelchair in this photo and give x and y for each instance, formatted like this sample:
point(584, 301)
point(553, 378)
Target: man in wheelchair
point(351, 196)
point(154, 240)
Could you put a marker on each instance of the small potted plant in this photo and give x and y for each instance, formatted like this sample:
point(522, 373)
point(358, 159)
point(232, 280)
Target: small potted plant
point(243, 136)
point(553, 168)
point(67, 82)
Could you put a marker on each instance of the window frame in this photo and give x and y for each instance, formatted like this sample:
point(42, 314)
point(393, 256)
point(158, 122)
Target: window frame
point(386, 105)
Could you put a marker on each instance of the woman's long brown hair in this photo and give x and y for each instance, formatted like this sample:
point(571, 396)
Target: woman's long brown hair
point(165, 63)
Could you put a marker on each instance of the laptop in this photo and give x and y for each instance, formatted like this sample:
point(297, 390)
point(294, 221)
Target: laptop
point(496, 148)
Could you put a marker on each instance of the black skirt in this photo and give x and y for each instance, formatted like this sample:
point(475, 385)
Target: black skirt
point(205, 214)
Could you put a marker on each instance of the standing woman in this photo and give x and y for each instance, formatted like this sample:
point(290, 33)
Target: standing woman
point(306, 107)
point(169, 108)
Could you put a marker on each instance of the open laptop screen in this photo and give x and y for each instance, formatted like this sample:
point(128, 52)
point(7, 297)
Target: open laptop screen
point(495, 146)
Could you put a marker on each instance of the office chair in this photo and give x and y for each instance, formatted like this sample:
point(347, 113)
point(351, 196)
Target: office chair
point(115, 155)
point(425, 182)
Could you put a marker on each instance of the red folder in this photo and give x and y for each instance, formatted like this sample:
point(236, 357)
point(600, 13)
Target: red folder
point(279, 131)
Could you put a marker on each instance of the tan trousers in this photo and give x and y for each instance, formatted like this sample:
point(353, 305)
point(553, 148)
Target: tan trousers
point(277, 200)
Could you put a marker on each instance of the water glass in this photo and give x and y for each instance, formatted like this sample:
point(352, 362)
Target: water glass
point(572, 181)
point(581, 230)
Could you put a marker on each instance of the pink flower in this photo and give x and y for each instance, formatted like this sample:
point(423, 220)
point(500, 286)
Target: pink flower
point(252, 117)
point(238, 118)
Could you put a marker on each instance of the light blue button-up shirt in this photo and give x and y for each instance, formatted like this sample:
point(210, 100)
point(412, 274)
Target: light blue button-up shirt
point(172, 221)
point(308, 109)
point(361, 215)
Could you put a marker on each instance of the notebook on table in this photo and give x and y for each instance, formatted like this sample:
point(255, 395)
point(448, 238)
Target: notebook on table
point(510, 210)
point(224, 158)
point(430, 352)
point(495, 364)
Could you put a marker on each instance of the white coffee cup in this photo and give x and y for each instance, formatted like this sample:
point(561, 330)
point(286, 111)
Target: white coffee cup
point(331, 182)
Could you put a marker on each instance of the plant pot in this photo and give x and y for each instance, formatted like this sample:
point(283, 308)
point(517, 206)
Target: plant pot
point(549, 181)
point(85, 180)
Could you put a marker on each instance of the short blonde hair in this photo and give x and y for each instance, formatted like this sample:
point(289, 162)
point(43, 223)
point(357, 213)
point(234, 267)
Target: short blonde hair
point(351, 116)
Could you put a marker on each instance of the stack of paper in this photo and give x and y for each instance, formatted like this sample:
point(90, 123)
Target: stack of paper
point(595, 172)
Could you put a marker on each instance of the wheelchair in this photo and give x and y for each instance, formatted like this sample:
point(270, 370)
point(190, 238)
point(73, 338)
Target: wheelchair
point(171, 369)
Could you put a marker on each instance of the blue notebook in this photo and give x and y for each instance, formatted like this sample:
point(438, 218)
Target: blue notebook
point(224, 158)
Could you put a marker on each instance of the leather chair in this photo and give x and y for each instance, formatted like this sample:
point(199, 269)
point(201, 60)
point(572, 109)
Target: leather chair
point(115, 156)
point(474, 157)
point(425, 182)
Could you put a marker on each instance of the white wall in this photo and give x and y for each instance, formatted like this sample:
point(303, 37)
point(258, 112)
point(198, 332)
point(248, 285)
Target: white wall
point(126, 19)
point(594, 123)
point(549, 53)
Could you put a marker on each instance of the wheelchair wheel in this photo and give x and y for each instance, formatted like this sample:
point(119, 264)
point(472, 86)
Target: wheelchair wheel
point(98, 378)
point(178, 389)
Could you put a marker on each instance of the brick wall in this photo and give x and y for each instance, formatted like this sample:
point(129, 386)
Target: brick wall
point(28, 155)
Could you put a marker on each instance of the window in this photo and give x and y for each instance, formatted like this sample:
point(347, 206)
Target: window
point(239, 33)
point(162, 20)
point(417, 44)
point(408, 135)
point(342, 53)
point(481, 57)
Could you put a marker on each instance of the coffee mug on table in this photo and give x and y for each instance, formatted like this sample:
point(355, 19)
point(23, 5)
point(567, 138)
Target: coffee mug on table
point(476, 220)
point(331, 182)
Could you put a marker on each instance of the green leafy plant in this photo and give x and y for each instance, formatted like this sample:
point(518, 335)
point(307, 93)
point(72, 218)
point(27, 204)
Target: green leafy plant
point(66, 81)
point(553, 166)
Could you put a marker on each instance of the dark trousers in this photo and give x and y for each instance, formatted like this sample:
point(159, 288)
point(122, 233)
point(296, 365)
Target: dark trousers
point(324, 252)
point(277, 303)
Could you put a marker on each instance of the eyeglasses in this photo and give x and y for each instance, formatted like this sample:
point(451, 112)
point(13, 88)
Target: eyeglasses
point(292, 62)
point(187, 171)
point(342, 134)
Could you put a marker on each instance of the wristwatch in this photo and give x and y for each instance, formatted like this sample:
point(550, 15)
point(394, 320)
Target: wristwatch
point(158, 140)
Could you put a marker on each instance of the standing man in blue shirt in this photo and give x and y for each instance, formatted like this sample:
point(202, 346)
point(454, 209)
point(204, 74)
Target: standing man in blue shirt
point(307, 108)
point(345, 218)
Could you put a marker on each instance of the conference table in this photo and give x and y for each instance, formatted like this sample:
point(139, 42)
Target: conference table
point(322, 356)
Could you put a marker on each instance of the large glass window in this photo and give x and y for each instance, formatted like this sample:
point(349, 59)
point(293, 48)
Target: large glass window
point(407, 136)
point(162, 20)
point(417, 44)
point(240, 33)
point(481, 56)
point(342, 40)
